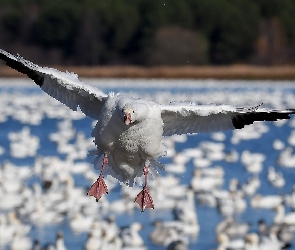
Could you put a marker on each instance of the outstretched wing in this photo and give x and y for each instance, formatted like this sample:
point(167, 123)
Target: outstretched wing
point(189, 118)
point(63, 86)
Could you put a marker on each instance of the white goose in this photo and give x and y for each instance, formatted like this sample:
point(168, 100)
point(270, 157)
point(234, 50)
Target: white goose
point(289, 199)
point(131, 237)
point(275, 178)
point(251, 186)
point(129, 131)
point(287, 158)
point(205, 183)
point(232, 228)
point(267, 202)
point(252, 242)
point(282, 218)
point(80, 223)
point(92, 243)
point(225, 243)
point(176, 241)
point(159, 234)
point(20, 242)
point(6, 231)
point(59, 243)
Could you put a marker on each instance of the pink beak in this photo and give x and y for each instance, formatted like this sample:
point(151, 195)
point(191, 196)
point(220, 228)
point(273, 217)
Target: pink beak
point(127, 119)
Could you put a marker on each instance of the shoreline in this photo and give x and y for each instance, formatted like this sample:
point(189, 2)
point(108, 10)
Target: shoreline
point(242, 72)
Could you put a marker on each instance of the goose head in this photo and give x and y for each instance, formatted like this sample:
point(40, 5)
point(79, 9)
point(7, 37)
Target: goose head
point(134, 112)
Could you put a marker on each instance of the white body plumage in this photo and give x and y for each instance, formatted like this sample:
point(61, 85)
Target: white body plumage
point(129, 147)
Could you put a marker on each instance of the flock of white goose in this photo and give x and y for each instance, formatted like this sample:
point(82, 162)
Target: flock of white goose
point(46, 193)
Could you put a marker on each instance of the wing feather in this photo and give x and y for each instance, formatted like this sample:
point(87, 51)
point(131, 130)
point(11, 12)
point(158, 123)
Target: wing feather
point(63, 86)
point(189, 118)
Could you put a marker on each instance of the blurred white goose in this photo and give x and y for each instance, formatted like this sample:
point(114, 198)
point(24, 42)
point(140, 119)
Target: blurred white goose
point(252, 242)
point(251, 186)
point(282, 218)
point(278, 144)
point(2, 150)
point(125, 204)
point(202, 162)
point(60, 243)
point(252, 161)
point(207, 199)
point(205, 183)
point(111, 228)
point(287, 158)
point(23, 143)
point(253, 132)
point(213, 150)
point(235, 204)
point(9, 201)
point(289, 199)
point(217, 172)
point(291, 139)
point(176, 241)
point(218, 136)
point(231, 156)
point(80, 223)
point(129, 131)
point(41, 215)
point(103, 243)
point(18, 227)
point(164, 199)
point(166, 182)
point(131, 237)
point(13, 177)
point(178, 164)
point(159, 234)
point(268, 201)
point(6, 231)
point(185, 211)
point(275, 178)
point(93, 242)
point(225, 243)
point(232, 228)
point(20, 243)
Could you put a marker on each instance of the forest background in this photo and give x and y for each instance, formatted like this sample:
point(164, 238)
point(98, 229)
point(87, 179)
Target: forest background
point(150, 33)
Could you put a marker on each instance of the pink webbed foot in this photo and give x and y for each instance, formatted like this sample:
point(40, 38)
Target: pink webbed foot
point(99, 188)
point(144, 199)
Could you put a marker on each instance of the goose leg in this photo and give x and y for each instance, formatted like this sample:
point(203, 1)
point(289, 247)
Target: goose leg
point(144, 199)
point(99, 188)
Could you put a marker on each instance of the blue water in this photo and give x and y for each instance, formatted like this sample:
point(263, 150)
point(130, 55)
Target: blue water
point(208, 217)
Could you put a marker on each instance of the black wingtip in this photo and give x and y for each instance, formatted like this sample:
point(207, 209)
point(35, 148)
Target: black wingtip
point(22, 66)
point(239, 121)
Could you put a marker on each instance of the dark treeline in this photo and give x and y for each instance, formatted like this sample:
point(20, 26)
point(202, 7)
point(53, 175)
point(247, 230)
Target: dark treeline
point(146, 32)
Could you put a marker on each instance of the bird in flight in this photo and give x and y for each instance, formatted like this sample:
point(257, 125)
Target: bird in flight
point(129, 131)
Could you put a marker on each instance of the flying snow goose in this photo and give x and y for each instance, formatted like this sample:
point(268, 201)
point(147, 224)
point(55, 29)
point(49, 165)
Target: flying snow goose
point(129, 131)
